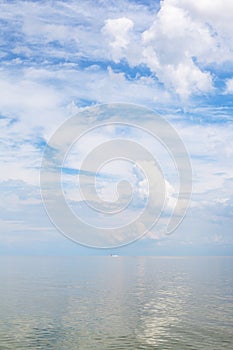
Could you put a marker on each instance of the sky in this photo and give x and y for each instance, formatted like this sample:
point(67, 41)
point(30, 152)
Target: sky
point(174, 57)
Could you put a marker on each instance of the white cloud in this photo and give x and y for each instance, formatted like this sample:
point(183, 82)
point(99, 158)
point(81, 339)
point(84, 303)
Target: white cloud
point(118, 31)
point(229, 86)
point(170, 46)
point(181, 44)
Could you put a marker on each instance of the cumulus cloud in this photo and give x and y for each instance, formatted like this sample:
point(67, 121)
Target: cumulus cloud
point(118, 31)
point(170, 46)
point(181, 44)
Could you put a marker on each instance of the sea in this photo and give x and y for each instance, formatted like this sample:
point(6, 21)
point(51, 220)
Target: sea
point(114, 302)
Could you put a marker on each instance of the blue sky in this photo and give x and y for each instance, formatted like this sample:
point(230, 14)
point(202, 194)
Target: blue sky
point(59, 57)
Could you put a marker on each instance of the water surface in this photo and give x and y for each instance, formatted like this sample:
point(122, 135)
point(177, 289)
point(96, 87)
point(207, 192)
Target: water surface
point(109, 303)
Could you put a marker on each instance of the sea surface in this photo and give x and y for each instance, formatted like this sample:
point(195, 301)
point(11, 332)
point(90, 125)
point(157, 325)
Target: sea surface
point(100, 303)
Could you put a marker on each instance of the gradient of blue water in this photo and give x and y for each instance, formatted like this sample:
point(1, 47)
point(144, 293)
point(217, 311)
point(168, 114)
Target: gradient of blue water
point(116, 303)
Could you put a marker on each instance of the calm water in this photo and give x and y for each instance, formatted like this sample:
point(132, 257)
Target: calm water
point(116, 303)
